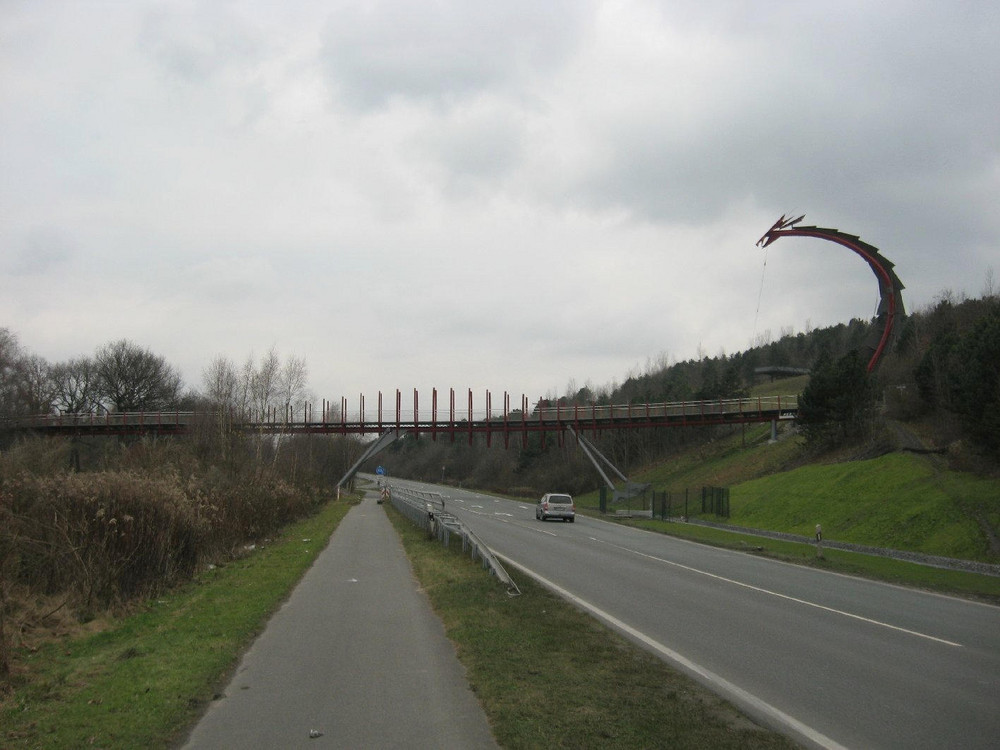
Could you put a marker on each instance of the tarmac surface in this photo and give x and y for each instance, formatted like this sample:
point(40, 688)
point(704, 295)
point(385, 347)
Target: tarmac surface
point(356, 658)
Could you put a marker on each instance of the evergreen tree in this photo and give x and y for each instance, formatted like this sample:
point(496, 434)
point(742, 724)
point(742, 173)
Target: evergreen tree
point(837, 403)
point(974, 381)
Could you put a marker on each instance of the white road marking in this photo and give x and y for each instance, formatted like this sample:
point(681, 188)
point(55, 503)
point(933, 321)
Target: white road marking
point(529, 526)
point(781, 596)
point(720, 683)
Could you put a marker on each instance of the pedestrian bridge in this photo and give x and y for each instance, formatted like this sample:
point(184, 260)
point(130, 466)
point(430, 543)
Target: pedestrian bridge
point(445, 420)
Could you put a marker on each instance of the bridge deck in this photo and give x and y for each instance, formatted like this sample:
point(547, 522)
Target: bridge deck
point(543, 418)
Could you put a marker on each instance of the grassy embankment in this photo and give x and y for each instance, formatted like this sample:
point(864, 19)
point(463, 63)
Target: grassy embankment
point(142, 680)
point(549, 675)
point(898, 500)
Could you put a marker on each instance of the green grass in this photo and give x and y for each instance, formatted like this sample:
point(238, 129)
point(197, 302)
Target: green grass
point(781, 387)
point(885, 569)
point(143, 681)
point(549, 675)
point(899, 500)
point(742, 454)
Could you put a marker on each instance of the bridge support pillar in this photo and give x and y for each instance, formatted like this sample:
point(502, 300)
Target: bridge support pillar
point(774, 431)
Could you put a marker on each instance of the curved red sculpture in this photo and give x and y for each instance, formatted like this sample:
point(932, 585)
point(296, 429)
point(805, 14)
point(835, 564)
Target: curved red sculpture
point(890, 287)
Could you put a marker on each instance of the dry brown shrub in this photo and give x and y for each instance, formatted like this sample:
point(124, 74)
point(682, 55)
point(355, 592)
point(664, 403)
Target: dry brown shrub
point(103, 537)
point(75, 544)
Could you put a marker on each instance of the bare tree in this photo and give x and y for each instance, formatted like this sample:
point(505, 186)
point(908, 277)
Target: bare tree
point(36, 390)
point(244, 394)
point(264, 383)
point(10, 360)
point(135, 379)
point(260, 390)
point(257, 389)
point(25, 379)
point(77, 386)
point(222, 383)
point(223, 393)
point(292, 383)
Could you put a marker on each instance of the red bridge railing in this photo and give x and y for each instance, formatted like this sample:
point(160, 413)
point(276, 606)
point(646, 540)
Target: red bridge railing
point(542, 417)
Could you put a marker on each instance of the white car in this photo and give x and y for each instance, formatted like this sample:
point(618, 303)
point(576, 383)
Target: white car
point(555, 505)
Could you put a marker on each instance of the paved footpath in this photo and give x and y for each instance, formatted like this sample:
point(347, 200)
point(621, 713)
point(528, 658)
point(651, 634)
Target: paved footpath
point(356, 658)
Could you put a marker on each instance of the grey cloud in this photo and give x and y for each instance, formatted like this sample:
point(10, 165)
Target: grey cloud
point(440, 52)
point(194, 46)
point(45, 250)
point(471, 150)
point(823, 119)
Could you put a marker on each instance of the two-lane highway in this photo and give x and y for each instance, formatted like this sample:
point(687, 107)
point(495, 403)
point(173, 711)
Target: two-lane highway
point(830, 659)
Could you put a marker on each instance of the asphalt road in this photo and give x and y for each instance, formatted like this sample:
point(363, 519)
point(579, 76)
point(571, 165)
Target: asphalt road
point(356, 658)
point(831, 660)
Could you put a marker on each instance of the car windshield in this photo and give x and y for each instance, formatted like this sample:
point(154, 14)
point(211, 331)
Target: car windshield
point(561, 499)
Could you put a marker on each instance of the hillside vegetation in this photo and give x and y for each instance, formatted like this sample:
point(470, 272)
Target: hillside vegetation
point(906, 457)
point(899, 500)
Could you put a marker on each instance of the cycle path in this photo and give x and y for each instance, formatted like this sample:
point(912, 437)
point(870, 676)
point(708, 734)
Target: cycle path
point(356, 658)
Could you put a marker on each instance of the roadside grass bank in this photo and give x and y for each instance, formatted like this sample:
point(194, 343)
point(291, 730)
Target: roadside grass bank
point(899, 500)
point(548, 675)
point(900, 572)
point(146, 678)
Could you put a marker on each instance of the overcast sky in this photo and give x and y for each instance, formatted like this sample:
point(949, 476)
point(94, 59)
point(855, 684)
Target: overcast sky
point(507, 195)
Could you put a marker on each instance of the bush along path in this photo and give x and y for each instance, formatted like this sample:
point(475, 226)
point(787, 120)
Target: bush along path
point(145, 678)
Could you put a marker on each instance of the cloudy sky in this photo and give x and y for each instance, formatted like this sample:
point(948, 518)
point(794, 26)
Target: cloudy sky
point(511, 196)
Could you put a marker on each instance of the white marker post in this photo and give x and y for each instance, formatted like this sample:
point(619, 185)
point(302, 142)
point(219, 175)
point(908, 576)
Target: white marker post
point(819, 541)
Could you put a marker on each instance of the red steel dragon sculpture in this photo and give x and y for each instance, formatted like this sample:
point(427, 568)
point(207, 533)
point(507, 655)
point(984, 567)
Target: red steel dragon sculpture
point(890, 288)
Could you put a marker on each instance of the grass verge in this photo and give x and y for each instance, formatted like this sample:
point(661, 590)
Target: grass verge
point(549, 675)
point(898, 500)
point(143, 681)
point(885, 569)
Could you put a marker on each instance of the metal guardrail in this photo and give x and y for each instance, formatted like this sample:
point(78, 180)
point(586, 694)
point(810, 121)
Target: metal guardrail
point(427, 511)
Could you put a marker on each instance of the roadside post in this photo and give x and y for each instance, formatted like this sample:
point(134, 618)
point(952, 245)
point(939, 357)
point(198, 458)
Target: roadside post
point(819, 541)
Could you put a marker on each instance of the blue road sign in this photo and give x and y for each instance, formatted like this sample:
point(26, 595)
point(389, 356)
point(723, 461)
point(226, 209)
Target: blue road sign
point(380, 471)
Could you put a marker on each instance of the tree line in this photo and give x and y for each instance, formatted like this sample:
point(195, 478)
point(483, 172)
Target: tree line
point(122, 376)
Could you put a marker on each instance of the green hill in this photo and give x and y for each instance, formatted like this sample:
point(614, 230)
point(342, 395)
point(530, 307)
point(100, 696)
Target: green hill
point(899, 500)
